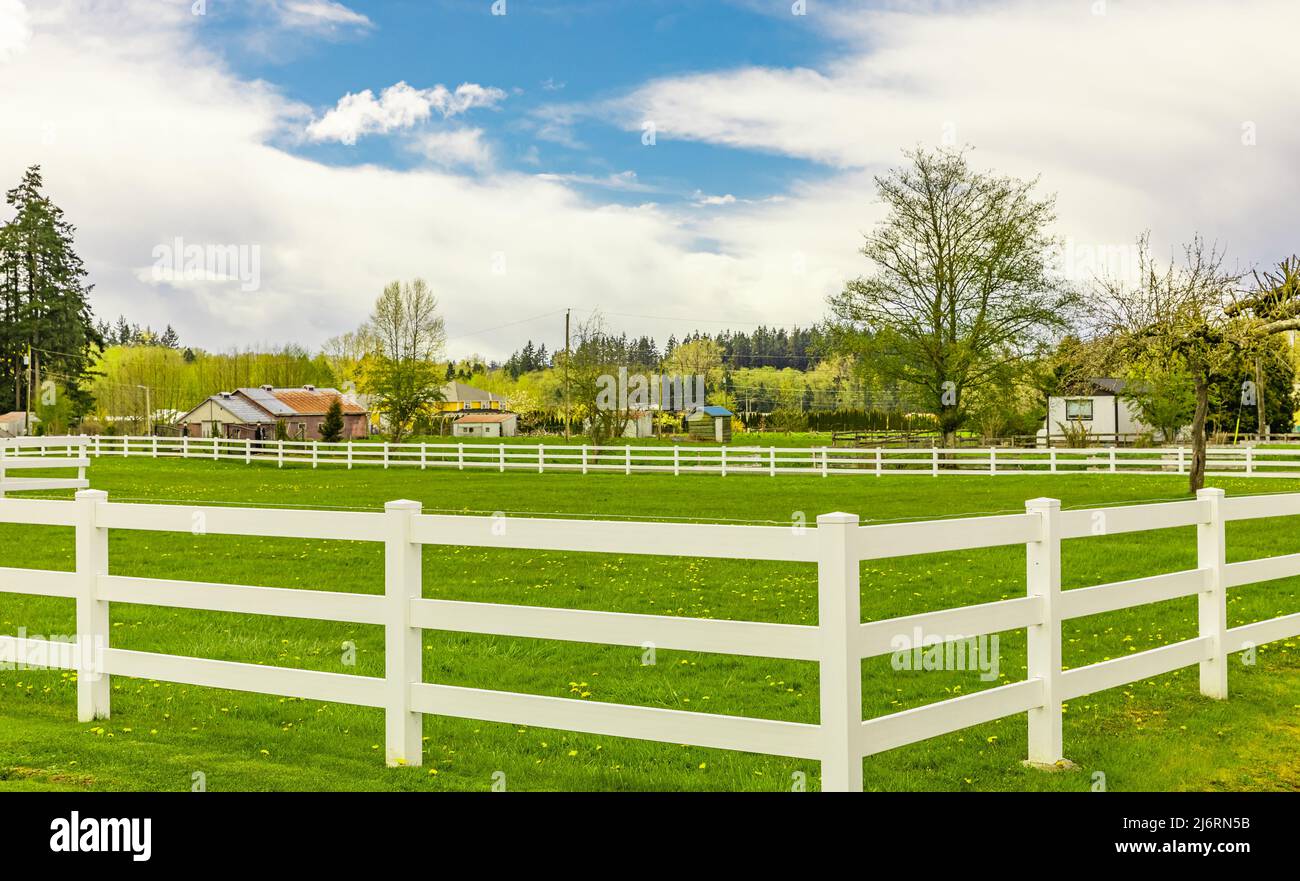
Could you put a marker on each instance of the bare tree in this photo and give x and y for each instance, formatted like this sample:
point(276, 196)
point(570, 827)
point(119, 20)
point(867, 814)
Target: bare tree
point(962, 289)
point(1176, 314)
point(406, 324)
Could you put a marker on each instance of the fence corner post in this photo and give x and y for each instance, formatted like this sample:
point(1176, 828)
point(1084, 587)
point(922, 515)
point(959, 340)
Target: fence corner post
point(839, 617)
point(93, 694)
point(1043, 580)
point(403, 654)
point(1212, 603)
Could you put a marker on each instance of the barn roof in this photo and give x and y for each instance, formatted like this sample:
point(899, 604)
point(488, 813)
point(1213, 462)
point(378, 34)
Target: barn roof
point(305, 401)
point(242, 409)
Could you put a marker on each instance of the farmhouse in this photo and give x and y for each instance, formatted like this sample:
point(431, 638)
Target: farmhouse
point(254, 413)
point(458, 397)
point(486, 425)
point(1102, 409)
point(709, 424)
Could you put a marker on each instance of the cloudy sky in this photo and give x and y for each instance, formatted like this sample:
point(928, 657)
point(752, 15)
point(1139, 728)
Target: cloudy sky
point(677, 164)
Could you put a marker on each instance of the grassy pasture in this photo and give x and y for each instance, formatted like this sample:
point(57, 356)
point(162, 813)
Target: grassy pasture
point(1158, 734)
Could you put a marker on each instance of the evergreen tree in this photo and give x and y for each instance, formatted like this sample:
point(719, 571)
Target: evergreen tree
point(331, 430)
point(44, 299)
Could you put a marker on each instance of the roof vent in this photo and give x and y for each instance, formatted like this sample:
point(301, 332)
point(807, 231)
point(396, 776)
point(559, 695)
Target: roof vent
point(267, 388)
point(309, 388)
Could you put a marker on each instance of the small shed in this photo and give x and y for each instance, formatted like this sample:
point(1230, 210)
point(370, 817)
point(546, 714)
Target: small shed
point(486, 425)
point(709, 424)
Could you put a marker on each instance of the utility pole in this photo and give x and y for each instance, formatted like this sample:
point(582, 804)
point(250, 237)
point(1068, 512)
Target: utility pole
point(27, 408)
point(567, 355)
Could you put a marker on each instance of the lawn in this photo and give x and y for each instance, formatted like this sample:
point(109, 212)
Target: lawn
point(1158, 734)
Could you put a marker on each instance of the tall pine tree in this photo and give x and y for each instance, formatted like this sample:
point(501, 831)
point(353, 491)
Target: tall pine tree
point(44, 299)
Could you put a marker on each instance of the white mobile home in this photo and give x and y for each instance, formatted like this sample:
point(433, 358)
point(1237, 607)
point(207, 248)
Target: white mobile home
point(1102, 409)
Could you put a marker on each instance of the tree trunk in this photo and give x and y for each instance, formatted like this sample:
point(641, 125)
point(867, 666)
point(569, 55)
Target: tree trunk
point(1197, 479)
point(1261, 415)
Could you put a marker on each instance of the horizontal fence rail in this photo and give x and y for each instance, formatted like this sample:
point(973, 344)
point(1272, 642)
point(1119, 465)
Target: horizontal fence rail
point(1245, 461)
point(838, 643)
point(32, 453)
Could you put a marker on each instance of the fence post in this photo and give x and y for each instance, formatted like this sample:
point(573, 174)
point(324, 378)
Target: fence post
point(349, 455)
point(502, 459)
point(315, 453)
point(934, 456)
point(1051, 456)
point(1043, 579)
point(627, 459)
point(385, 454)
point(771, 461)
point(403, 658)
point(460, 456)
point(96, 446)
point(839, 618)
point(1250, 461)
point(993, 461)
point(825, 462)
point(279, 454)
point(92, 613)
point(248, 451)
point(677, 465)
point(723, 462)
point(424, 455)
point(185, 446)
point(1112, 460)
point(154, 451)
point(541, 458)
point(880, 461)
point(1181, 465)
point(584, 457)
point(1212, 603)
point(216, 448)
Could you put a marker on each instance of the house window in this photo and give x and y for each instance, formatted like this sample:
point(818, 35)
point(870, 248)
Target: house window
point(1078, 409)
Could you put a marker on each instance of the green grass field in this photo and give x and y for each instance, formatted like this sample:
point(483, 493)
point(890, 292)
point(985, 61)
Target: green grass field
point(1158, 734)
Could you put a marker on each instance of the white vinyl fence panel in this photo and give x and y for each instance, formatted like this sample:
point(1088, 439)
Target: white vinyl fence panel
point(31, 453)
point(837, 643)
point(678, 460)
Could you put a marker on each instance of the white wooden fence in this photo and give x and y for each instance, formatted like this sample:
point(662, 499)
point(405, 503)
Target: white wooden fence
point(838, 643)
point(772, 461)
point(29, 453)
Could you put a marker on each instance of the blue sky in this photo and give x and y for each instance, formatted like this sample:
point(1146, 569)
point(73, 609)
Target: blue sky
point(340, 145)
point(546, 55)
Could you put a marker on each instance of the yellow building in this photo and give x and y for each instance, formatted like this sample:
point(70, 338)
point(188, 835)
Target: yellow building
point(458, 397)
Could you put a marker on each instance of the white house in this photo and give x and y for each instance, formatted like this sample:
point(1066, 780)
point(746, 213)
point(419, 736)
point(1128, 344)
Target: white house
point(1104, 412)
point(486, 424)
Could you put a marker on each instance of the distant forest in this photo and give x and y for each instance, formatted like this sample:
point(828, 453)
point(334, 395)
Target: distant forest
point(779, 347)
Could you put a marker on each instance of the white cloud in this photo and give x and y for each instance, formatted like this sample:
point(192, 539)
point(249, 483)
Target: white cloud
point(143, 140)
point(455, 147)
point(15, 30)
point(1135, 117)
point(319, 15)
point(143, 136)
point(625, 181)
point(400, 106)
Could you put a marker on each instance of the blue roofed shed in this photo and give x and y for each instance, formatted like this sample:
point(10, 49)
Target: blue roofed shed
point(709, 424)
